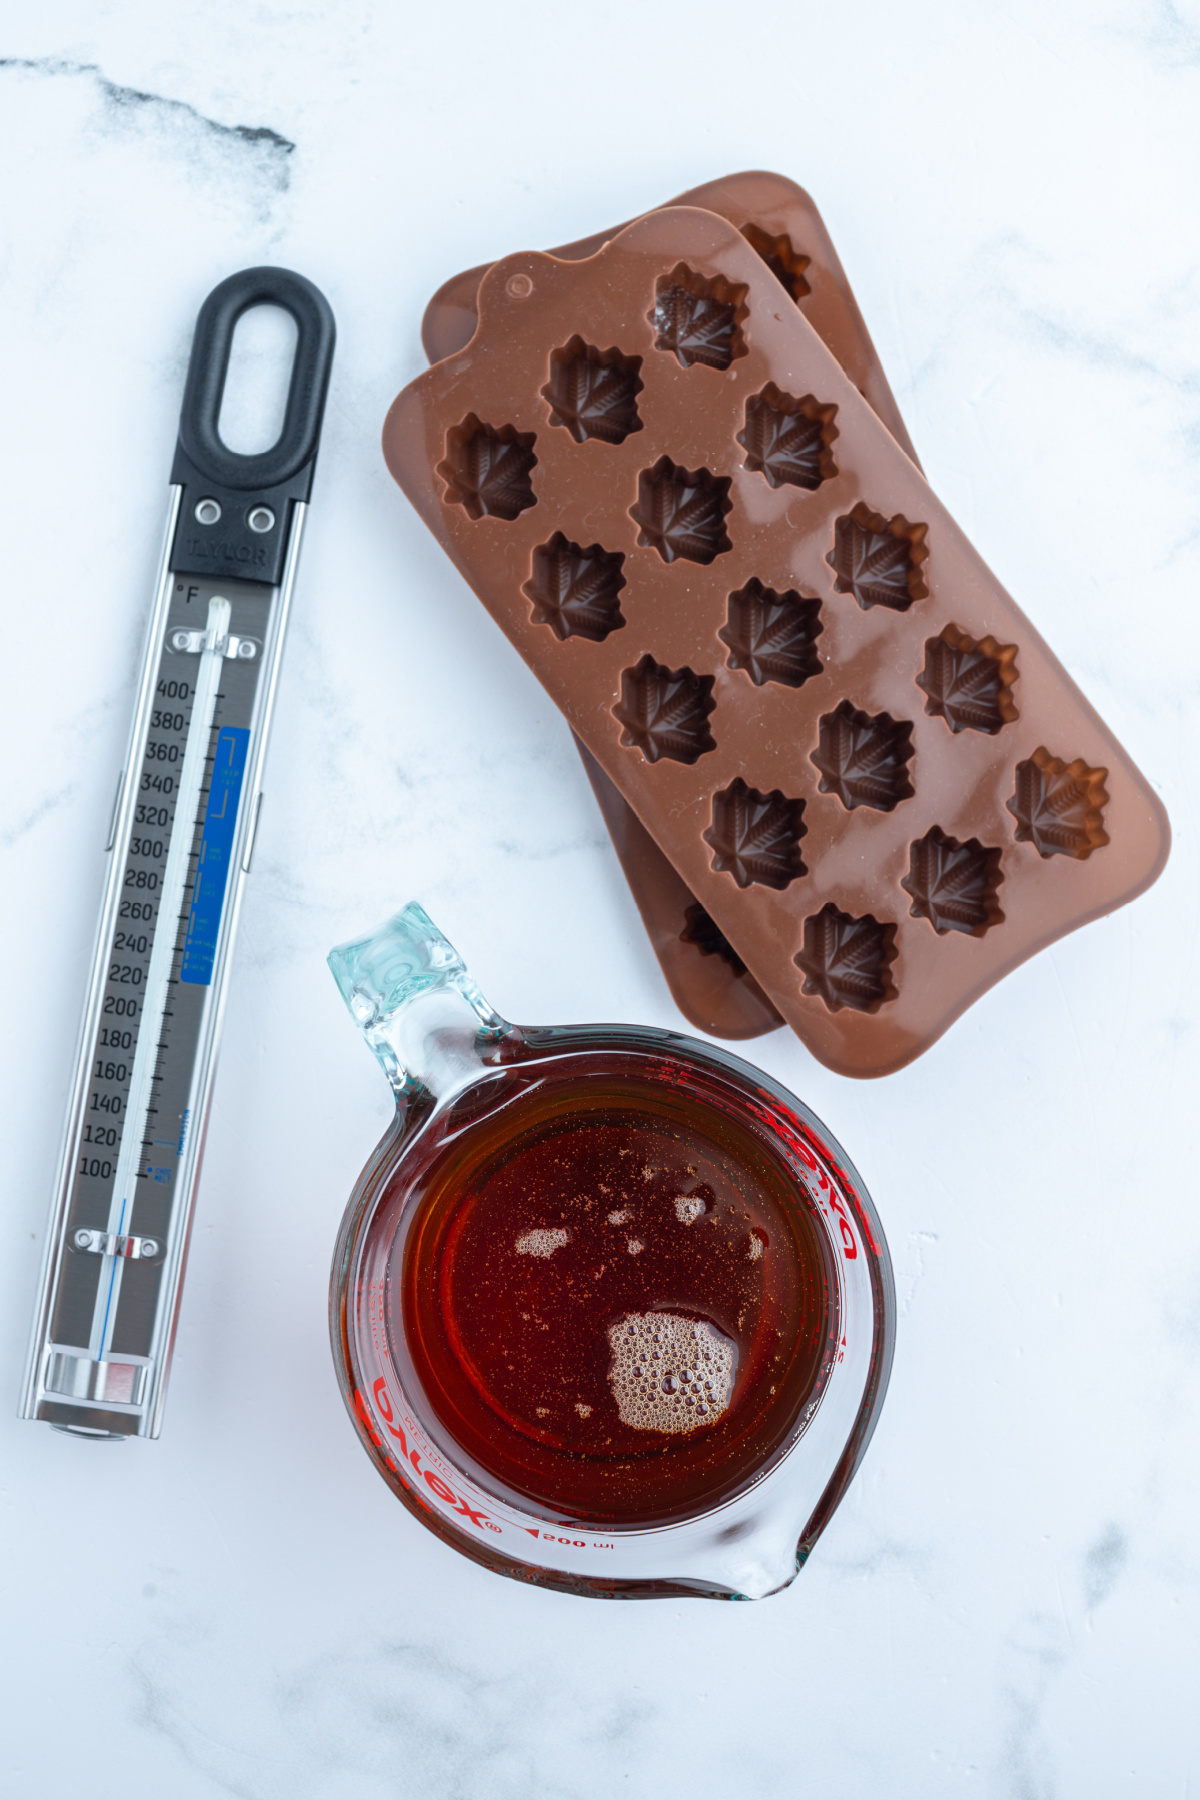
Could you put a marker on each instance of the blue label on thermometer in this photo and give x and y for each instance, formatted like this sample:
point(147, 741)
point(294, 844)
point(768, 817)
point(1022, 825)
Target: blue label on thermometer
point(216, 855)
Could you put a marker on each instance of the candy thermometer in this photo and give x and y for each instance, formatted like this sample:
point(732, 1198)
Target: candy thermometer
point(180, 842)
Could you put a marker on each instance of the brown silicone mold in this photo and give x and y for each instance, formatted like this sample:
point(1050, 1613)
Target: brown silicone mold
point(781, 223)
point(593, 393)
point(865, 983)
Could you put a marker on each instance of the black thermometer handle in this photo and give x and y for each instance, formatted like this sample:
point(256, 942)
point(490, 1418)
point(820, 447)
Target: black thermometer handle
point(235, 511)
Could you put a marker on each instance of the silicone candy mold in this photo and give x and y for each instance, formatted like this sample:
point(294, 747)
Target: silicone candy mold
point(703, 931)
point(863, 760)
point(487, 472)
point(878, 560)
point(789, 441)
point(698, 318)
point(681, 512)
point(954, 885)
point(969, 684)
point(665, 712)
point(786, 263)
point(845, 960)
point(773, 637)
point(593, 393)
point(756, 837)
point(700, 965)
point(838, 950)
point(576, 592)
point(782, 224)
point(1059, 806)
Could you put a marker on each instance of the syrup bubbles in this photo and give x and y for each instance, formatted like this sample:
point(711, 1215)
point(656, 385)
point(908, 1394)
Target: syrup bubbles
point(615, 1297)
point(670, 1373)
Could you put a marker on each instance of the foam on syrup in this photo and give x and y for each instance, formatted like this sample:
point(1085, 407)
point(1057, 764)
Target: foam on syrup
point(669, 1373)
point(511, 1347)
point(541, 1243)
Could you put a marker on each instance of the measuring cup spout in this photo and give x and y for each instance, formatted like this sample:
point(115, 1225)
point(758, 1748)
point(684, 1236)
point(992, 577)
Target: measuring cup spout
point(411, 996)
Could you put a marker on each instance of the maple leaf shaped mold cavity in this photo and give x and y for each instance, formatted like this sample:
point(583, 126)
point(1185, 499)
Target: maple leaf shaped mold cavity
point(771, 636)
point(1059, 806)
point(681, 512)
point(699, 317)
point(756, 837)
point(783, 259)
point(969, 682)
point(847, 961)
point(487, 470)
point(878, 560)
point(702, 930)
point(665, 712)
point(575, 591)
point(787, 440)
point(954, 885)
point(593, 393)
point(863, 758)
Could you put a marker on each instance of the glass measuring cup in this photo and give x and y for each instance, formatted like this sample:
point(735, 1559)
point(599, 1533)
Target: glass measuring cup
point(729, 1262)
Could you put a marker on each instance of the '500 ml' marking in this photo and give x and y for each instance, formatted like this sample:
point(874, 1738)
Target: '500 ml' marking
point(548, 1537)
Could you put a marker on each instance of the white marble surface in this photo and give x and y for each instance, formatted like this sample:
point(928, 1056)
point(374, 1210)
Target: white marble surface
point(1007, 1603)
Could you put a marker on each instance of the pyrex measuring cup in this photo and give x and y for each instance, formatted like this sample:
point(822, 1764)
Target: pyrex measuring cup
point(639, 1230)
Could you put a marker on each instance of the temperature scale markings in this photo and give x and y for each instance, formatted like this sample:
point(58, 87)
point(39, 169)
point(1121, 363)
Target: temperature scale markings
point(177, 875)
point(193, 775)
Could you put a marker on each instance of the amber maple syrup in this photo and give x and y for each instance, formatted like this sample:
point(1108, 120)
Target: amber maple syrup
point(614, 1293)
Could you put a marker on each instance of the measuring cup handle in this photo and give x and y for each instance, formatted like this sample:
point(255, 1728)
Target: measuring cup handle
point(412, 997)
point(209, 365)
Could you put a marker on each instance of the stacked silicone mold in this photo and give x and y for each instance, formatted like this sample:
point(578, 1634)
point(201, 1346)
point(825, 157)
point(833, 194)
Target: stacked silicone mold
point(708, 980)
point(854, 748)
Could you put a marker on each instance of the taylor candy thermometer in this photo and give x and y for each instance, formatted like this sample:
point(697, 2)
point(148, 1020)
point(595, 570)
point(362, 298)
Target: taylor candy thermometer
point(181, 837)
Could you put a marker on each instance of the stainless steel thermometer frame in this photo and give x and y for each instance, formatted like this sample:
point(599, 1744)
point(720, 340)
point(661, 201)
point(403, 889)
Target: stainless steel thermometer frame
point(181, 839)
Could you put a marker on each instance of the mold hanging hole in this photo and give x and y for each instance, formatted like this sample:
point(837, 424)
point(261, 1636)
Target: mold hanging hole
point(593, 393)
point(1059, 806)
point(756, 837)
point(665, 712)
point(968, 681)
point(863, 758)
point(954, 884)
point(847, 961)
point(879, 560)
point(788, 441)
point(487, 470)
point(576, 591)
point(681, 512)
point(699, 317)
point(772, 637)
point(783, 259)
point(702, 930)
